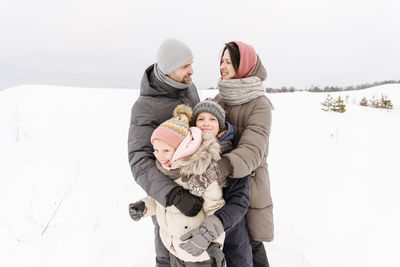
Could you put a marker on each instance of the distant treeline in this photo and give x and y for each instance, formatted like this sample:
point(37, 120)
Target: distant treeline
point(285, 89)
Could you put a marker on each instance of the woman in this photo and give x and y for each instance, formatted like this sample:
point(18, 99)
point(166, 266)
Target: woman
point(242, 96)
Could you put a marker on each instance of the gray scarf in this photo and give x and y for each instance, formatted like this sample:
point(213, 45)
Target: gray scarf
point(226, 146)
point(166, 79)
point(239, 91)
point(174, 174)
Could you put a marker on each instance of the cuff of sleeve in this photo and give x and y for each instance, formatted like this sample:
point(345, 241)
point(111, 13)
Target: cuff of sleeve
point(225, 167)
point(174, 196)
point(221, 217)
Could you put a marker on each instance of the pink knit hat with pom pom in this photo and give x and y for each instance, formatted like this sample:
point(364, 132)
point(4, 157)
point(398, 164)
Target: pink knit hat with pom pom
point(174, 130)
point(176, 133)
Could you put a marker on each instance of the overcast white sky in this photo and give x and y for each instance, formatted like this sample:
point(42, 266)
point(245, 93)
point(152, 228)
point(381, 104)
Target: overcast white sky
point(109, 43)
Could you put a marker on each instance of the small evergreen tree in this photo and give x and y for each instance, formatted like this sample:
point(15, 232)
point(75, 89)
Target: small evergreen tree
point(364, 102)
point(339, 105)
point(327, 104)
point(386, 103)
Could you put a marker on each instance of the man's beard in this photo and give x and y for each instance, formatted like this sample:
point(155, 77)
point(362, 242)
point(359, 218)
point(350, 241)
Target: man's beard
point(187, 80)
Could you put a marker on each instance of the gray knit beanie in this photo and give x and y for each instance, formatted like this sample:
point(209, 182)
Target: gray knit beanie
point(212, 107)
point(172, 55)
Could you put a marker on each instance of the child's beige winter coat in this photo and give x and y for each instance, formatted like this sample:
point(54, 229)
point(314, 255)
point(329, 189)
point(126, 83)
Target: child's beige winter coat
point(198, 174)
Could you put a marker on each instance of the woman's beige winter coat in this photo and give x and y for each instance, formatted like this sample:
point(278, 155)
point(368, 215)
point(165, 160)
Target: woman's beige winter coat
point(173, 224)
point(252, 125)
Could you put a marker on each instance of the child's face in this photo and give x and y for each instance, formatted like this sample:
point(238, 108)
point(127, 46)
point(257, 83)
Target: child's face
point(207, 122)
point(163, 152)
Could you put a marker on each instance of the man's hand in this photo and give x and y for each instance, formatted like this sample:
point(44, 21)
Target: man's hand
point(184, 201)
point(136, 210)
point(199, 239)
point(196, 245)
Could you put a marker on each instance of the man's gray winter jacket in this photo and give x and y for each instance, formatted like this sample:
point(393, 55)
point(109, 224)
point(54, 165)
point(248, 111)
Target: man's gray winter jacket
point(155, 104)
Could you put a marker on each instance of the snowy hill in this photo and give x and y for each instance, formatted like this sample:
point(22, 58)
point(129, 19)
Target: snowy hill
point(65, 181)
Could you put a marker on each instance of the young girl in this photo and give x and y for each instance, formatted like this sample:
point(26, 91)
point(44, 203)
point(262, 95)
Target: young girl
point(189, 158)
point(210, 117)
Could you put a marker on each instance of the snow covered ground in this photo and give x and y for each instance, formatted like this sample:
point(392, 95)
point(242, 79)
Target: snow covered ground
point(65, 181)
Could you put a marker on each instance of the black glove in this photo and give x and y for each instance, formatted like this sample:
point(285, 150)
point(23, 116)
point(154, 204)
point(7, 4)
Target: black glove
point(216, 255)
point(184, 201)
point(136, 210)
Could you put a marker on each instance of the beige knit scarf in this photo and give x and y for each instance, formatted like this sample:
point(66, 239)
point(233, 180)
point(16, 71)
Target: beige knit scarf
point(239, 91)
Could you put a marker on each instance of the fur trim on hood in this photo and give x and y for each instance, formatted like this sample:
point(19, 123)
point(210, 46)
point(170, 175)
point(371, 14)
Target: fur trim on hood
point(200, 169)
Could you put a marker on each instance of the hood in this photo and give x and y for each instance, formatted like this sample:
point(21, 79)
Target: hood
point(197, 163)
point(229, 134)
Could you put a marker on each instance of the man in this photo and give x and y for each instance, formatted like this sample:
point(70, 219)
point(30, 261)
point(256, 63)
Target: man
point(165, 84)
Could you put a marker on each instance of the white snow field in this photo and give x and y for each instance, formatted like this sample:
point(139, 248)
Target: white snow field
point(65, 181)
